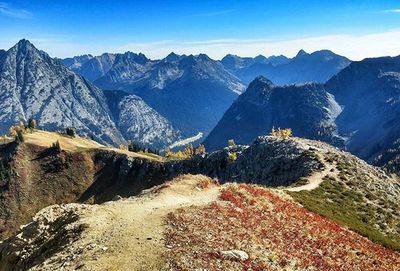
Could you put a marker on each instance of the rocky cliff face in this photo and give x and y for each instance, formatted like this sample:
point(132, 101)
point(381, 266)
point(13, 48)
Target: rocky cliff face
point(33, 85)
point(139, 122)
point(369, 92)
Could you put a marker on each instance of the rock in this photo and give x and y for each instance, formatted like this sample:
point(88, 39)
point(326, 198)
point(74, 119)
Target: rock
point(234, 255)
point(117, 197)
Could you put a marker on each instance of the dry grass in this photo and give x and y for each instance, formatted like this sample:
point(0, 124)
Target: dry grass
point(77, 143)
point(278, 234)
point(46, 139)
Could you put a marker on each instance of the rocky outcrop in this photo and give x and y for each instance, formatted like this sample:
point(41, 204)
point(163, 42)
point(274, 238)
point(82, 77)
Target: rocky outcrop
point(51, 229)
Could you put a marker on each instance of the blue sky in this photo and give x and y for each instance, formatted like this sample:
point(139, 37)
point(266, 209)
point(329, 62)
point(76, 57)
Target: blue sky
point(355, 28)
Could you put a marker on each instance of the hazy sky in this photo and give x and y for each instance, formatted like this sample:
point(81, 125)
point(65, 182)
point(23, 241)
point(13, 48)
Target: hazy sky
point(356, 29)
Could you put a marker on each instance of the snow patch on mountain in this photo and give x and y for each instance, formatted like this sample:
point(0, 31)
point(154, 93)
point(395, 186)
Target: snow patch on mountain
point(186, 141)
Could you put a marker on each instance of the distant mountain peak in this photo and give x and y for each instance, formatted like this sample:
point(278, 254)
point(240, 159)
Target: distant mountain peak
point(259, 85)
point(172, 57)
point(138, 58)
point(261, 59)
point(24, 42)
point(262, 79)
point(202, 57)
point(301, 53)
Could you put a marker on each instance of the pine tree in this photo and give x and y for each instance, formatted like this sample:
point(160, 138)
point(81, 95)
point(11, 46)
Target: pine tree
point(32, 124)
point(56, 147)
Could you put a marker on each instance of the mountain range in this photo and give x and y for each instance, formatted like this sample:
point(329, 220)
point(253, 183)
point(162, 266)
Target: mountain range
point(204, 88)
point(190, 91)
point(33, 85)
point(357, 109)
point(318, 67)
point(160, 102)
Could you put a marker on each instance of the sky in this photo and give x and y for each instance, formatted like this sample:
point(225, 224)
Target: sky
point(354, 28)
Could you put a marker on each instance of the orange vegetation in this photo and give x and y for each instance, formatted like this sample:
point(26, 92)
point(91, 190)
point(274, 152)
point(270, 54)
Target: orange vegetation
point(276, 233)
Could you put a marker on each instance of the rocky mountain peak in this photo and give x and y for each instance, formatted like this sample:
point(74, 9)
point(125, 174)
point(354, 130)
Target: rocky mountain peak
point(129, 56)
point(172, 57)
point(203, 57)
point(24, 48)
point(259, 85)
point(301, 53)
point(261, 59)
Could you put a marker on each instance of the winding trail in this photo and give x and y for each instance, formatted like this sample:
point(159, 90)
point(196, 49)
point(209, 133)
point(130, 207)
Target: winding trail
point(316, 178)
point(132, 230)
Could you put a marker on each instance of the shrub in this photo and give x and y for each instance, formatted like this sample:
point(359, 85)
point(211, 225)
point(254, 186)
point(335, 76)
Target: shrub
point(282, 133)
point(19, 138)
point(231, 143)
point(135, 147)
point(200, 150)
point(123, 147)
point(20, 127)
point(70, 131)
point(179, 154)
point(56, 147)
point(32, 124)
point(189, 151)
point(232, 156)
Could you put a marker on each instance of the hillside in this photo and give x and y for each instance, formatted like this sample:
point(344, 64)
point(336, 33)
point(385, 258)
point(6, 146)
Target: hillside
point(346, 191)
point(191, 222)
point(34, 175)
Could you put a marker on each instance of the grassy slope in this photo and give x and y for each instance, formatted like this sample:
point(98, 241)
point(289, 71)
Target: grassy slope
point(357, 200)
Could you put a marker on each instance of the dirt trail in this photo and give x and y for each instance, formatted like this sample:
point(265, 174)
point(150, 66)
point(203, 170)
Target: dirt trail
point(316, 178)
point(134, 235)
point(127, 234)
